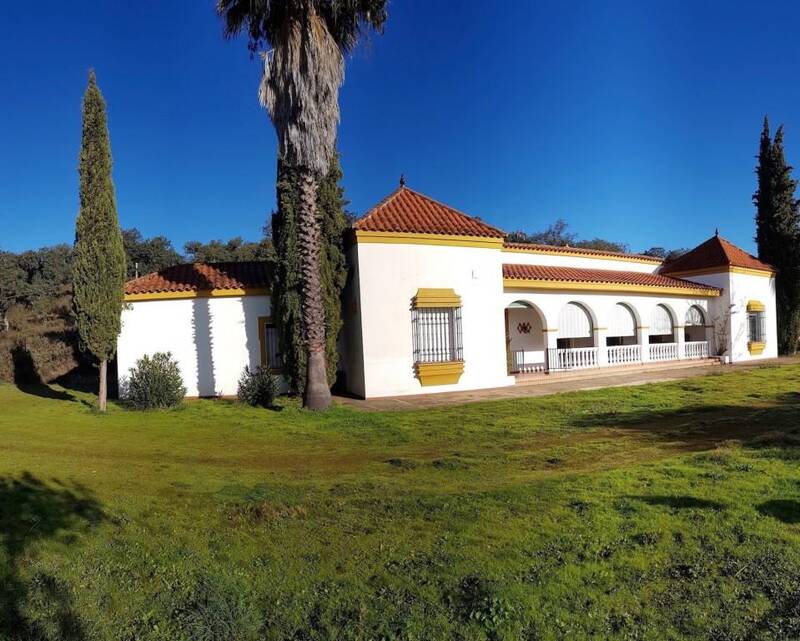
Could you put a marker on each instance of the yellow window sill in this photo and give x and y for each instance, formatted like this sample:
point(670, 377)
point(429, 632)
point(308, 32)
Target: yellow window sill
point(446, 373)
point(756, 348)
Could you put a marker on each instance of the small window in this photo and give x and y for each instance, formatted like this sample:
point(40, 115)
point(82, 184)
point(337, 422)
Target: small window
point(270, 345)
point(437, 334)
point(757, 327)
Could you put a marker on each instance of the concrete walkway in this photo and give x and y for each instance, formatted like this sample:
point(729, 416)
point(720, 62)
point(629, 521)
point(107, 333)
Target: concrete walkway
point(555, 384)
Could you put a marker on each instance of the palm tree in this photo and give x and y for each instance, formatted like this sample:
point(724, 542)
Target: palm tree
point(300, 89)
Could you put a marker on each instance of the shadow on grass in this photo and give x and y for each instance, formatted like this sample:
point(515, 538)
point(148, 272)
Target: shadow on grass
point(680, 502)
point(784, 510)
point(27, 379)
point(773, 424)
point(31, 510)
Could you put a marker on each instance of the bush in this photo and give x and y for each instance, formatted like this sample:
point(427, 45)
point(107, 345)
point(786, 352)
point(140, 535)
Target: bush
point(258, 387)
point(155, 382)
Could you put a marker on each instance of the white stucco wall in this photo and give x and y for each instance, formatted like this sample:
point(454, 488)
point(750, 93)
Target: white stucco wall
point(737, 290)
point(212, 339)
point(532, 343)
point(587, 262)
point(389, 277)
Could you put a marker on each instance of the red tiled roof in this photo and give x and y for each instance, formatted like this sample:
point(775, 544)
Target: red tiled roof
point(600, 276)
point(566, 249)
point(715, 252)
point(407, 211)
point(202, 277)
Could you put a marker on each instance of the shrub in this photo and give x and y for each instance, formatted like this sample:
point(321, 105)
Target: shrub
point(155, 382)
point(258, 387)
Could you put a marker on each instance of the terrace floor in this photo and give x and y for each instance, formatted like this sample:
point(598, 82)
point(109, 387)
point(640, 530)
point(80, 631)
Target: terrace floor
point(545, 384)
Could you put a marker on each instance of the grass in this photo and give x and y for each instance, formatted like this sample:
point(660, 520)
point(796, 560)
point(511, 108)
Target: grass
point(667, 511)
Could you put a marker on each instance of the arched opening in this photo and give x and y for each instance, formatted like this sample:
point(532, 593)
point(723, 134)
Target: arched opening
point(526, 344)
point(662, 326)
point(694, 327)
point(695, 333)
point(663, 345)
point(622, 338)
point(575, 327)
point(575, 345)
point(621, 326)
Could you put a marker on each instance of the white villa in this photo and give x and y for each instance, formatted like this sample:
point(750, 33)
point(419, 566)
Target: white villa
point(439, 301)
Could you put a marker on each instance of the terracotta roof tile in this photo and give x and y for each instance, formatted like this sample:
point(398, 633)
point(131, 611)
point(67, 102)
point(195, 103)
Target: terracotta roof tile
point(604, 276)
point(565, 249)
point(407, 211)
point(715, 252)
point(202, 276)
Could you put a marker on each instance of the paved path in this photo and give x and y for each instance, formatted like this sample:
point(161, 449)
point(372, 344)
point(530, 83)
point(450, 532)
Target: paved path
point(554, 385)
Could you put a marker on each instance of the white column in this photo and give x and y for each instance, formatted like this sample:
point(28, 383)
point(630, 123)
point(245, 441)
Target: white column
point(680, 338)
point(600, 334)
point(644, 341)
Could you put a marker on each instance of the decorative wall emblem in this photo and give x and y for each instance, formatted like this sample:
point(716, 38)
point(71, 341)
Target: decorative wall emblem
point(524, 328)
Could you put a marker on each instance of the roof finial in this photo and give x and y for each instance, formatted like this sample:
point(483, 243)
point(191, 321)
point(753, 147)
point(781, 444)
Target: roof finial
point(402, 180)
point(716, 232)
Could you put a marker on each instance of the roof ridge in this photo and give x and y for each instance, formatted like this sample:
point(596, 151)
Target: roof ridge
point(380, 204)
point(408, 208)
point(588, 250)
point(451, 208)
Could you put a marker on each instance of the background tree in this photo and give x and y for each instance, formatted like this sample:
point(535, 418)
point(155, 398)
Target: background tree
point(286, 294)
point(12, 285)
point(778, 233)
point(232, 251)
point(558, 235)
point(664, 253)
point(145, 255)
point(98, 270)
point(300, 90)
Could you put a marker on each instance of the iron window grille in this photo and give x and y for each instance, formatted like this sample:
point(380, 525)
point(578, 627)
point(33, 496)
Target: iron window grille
point(757, 327)
point(273, 348)
point(437, 334)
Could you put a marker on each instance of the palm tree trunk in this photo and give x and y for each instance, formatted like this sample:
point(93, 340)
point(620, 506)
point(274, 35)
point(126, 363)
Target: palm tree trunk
point(317, 395)
point(103, 391)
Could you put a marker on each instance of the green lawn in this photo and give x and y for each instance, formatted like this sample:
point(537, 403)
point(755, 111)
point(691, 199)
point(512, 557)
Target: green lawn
point(667, 511)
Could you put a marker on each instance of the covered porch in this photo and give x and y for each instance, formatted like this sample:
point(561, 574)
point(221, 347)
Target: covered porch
point(575, 340)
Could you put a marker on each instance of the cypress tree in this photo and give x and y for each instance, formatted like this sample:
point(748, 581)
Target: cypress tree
point(286, 288)
point(98, 269)
point(778, 233)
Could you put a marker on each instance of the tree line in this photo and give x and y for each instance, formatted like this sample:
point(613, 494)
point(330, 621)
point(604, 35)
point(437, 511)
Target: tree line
point(559, 235)
point(34, 278)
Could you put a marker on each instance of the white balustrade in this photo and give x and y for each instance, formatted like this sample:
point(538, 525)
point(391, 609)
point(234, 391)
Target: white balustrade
point(576, 358)
point(695, 349)
point(664, 352)
point(524, 364)
point(624, 354)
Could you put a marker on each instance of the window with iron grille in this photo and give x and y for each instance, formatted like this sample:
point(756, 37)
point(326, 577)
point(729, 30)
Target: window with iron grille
point(757, 327)
point(437, 334)
point(270, 346)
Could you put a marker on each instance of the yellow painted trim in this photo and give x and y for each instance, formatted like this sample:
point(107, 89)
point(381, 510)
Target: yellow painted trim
point(429, 297)
point(263, 322)
point(447, 373)
point(398, 238)
point(550, 329)
point(566, 252)
point(601, 329)
point(526, 285)
point(206, 293)
point(724, 270)
point(755, 306)
point(756, 347)
point(643, 327)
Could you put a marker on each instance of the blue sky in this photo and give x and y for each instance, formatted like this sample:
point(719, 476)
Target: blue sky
point(635, 121)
